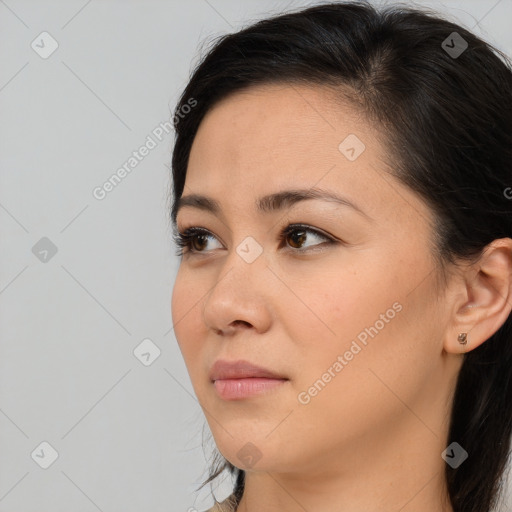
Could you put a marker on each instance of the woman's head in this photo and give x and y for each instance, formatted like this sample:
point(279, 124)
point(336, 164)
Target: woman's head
point(360, 305)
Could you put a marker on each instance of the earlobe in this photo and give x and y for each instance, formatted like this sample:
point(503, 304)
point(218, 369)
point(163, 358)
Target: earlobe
point(485, 302)
point(462, 338)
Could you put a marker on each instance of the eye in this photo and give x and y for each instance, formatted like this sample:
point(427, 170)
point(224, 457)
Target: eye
point(186, 241)
point(194, 239)
point(297, 234)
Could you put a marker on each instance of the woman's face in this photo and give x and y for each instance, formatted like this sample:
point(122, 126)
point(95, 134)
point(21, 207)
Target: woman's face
point(347, 311)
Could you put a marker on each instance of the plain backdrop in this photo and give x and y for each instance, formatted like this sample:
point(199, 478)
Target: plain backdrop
point(96, 408)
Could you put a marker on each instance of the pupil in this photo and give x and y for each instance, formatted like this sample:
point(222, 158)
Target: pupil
point(196, 239)
point(299, 240)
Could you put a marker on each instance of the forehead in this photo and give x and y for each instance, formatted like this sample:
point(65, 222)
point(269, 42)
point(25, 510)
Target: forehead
point(275, 132)
point(274, 137)
point(281, 119)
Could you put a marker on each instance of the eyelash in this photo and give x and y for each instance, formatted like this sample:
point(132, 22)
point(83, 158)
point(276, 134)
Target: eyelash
point(184, 240)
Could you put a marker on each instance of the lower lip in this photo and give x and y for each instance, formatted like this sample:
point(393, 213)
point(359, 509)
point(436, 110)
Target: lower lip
point(238, 389)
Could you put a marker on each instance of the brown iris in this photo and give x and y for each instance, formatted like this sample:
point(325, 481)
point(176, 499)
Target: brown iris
point(298, 236)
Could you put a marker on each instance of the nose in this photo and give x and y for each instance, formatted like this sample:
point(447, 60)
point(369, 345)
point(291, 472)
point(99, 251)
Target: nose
point(241, 298)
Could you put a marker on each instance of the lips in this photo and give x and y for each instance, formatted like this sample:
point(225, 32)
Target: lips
point(240, 369)
point(241, 380)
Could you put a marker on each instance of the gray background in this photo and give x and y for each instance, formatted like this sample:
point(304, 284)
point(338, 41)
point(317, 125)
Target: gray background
point(128, 434)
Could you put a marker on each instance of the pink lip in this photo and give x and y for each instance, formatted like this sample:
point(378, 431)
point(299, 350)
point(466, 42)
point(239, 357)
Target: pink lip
point(238, 389)
point(240, 379)
point(240, 370)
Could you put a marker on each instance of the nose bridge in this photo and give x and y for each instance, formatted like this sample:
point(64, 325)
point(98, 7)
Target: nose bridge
point(245, 263)
point(249, 250)
point(240, 291)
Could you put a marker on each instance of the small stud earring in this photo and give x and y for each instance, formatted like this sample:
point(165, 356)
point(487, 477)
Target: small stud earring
point(463, 338)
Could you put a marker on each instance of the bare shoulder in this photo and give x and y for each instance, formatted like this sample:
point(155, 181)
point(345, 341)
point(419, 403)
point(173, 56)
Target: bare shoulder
point(228, 505)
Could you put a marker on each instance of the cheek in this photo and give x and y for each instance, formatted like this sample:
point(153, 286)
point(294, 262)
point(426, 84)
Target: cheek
point(366, 318)
point(349, 389)
point(383, 344)
point(339, 304)
point(186, 316)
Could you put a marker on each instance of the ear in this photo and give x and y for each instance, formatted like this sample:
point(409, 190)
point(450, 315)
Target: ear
point(484, 299)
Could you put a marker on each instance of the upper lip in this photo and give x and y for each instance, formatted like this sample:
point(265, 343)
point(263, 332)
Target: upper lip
point(240, 370)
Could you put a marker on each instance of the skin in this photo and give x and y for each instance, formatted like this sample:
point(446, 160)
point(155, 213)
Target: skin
point(372, 438)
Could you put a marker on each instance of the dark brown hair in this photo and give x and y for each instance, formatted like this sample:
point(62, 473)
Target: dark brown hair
point(446, 118)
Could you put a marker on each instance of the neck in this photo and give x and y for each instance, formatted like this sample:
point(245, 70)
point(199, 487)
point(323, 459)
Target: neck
point(401, 471)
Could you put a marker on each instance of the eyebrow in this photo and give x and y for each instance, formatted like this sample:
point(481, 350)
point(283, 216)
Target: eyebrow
point(269, 203)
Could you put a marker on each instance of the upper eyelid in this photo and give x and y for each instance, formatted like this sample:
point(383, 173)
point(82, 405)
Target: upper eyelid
point(197, 230)
point(289, 227)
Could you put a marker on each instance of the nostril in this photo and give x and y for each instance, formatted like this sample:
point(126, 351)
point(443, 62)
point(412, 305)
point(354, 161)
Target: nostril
point(232, 326)
point(236, 323)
